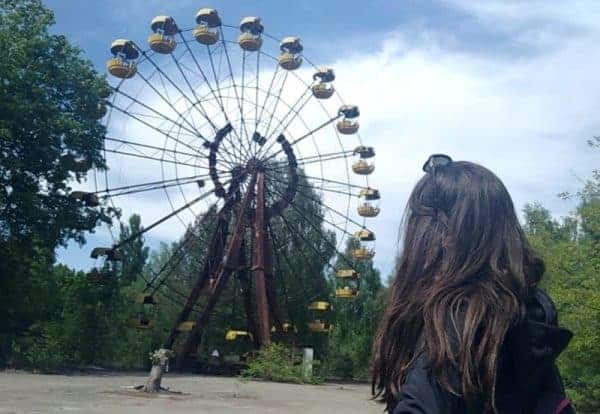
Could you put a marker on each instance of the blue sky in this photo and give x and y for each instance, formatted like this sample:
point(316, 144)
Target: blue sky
point(510, 84)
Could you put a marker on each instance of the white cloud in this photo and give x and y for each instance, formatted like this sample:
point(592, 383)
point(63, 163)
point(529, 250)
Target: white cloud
point(526, 117)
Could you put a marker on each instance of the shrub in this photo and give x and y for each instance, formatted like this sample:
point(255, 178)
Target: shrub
point(276, 363)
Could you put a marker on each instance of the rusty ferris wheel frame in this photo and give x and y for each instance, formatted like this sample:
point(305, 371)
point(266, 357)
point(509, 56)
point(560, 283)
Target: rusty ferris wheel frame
point(238, 141)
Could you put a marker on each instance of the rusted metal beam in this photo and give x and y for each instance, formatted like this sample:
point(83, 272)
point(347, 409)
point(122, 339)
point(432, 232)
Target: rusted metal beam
point(214, 253)
point(225, 268)
point(260, 230)
point(245, 285)
point(270, 286)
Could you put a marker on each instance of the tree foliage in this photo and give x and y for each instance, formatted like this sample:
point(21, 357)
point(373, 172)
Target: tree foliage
point(571, 250)
point(355, 322)
point(49, 137)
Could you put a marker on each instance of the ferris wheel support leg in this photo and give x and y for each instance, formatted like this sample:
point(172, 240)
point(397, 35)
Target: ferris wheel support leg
point(244, 279)
point(226, 267)
point(214, 253)
point(260, 230)
point(270, 286)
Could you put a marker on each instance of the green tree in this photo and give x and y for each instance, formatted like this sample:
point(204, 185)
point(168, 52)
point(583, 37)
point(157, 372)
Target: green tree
point(356, 320)
point(49, 137)
point(571, 250)
point(135, 253)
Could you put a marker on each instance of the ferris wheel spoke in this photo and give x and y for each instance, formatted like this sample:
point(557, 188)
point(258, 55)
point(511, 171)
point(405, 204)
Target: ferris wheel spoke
point(279, 123)
point(277, 99)
point(243, 118)
point(166, 134)
point(323, 237)
point(168, 102)
point(331, 190)
point(322, 204)
point(219, 97)
point(294, 112)
point(147, 157)
point(216, 79)
point(228, 59)
point(160, 131)
point(348, 184)
point(303, 286)
point(167, 217)
point(303, 137)
point(290, 111)
point(177, 258)
point(331, 223)
point(295, 234)
point(136, 145)
point(267, 95)
point(181, 92)
point(313, 158)
point(205, 78)
point(278, 264)
point(253, 144)
point(198, 102)
point(158, 113)
point(151, 183)
point(162, 160)
point(177, 183)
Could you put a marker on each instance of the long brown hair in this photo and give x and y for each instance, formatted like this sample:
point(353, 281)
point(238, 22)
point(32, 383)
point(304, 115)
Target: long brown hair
point(461, 280)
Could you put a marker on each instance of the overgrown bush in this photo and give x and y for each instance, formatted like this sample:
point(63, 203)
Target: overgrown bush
point(276, 363)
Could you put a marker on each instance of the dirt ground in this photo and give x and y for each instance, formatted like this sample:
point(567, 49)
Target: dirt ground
point(111, 393)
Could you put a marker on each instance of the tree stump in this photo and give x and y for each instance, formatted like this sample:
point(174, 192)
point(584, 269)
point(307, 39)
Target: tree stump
point(160, 365)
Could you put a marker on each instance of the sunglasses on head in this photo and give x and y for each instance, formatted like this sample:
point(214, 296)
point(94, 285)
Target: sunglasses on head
point(436, 160)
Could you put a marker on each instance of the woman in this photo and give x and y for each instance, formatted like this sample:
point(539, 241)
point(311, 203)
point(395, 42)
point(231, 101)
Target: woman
point(466, 330)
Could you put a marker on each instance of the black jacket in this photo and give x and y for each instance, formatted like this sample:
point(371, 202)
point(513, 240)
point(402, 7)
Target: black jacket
point(527, 379)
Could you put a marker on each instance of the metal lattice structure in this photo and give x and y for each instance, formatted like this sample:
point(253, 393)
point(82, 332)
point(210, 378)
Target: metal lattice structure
point(229, 116)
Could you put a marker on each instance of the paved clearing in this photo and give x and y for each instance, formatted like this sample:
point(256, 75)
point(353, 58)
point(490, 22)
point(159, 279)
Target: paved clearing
point(109, 393)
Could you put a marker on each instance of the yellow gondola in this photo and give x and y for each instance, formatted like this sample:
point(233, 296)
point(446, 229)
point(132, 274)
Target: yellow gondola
point(207, 20)
point(319, 326)
point(370, 194)
point(364, 152)
point(187, 326)
point(349, 111)
point(362, 253)
point(347, 274)
point(346, 292)
point(250, 39)
point(323, 89)
point(232, 335)
point(319, 306)
point(164, 28)
point(347, 126)
point(367, 210)
point(122, 64)
point(362, 167)
point(365, 235)
point(290, 58)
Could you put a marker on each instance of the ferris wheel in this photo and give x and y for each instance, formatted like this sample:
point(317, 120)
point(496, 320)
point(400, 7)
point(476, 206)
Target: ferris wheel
point(231, 118)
